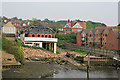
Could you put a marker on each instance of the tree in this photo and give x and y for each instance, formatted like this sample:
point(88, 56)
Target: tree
point(34, 21)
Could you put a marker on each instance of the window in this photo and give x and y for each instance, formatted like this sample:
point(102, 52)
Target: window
point(99, 34)
point(106, 35)
point(38, 35)
point(90, 43)
point(32, 35)
point(67, 26)
point(45, 35)
point(103, 34)
point(83, 35)
point(96, 35)
point(103, 38)
point(49, 36)
point(42, 35)
point(68, 29)
point(90, 35)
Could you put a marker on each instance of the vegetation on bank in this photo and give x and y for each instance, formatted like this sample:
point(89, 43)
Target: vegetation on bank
point(13, 49)
point(79, 51)
point(64, 39)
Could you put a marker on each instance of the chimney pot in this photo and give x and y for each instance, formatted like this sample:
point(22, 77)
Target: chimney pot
point(68, 20)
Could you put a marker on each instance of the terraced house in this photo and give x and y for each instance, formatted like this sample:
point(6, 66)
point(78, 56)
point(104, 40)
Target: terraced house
point(113, 40)
point(108, 38)
point(82, 37)
point(104, 36)
point(73, 26)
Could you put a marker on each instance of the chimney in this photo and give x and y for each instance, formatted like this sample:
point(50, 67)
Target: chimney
point(78, 20)
point(68, 20)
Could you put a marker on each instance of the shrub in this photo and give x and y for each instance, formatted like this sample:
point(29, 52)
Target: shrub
point(13, 49)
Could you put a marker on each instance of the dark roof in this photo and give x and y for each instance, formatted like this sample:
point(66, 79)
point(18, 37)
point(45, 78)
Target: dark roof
point(42, 30)
point(41, 25)
point(86, 31)
point(101, 30)
point(93, 30)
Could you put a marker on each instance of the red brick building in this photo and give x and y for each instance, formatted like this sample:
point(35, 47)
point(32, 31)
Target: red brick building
point(113, 40)
point(41, 31)
point(82, 38)
point(73, 26)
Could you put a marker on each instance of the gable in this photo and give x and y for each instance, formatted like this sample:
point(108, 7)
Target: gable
point(77, 25)
point(9, 24)
point(67, 26)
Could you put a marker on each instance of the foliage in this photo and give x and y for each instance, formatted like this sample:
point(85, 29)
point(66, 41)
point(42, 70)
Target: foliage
point(48, 21)
point(58, 51)
point(91, 24)
point(19, 43)
point(12, 49)
point(64, 39)
point(79, 51)
point(34, 21)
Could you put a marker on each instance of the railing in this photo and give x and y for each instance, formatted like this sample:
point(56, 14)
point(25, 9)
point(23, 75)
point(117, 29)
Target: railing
point(40, 39)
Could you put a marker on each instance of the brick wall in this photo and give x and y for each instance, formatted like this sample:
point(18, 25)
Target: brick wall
point(112, 41)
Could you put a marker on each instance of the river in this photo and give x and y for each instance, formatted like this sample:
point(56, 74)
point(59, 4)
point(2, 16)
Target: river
point(33, 70)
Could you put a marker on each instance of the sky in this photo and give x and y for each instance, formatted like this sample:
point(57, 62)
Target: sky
point(105, 12)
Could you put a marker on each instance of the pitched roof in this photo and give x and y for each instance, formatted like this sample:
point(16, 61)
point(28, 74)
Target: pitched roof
point(117, 32)
point(101, 30)
point(42, 30)
point(86, 31)
point(9, 24)
point(93, 30)
point(72, 23)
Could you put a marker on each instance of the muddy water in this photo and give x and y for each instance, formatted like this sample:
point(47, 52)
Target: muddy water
point(36, 70)
point(99, 72)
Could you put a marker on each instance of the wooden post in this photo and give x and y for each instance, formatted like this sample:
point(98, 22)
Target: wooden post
point(88, 66)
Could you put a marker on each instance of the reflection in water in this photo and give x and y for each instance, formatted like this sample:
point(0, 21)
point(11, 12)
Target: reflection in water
point(101, 72)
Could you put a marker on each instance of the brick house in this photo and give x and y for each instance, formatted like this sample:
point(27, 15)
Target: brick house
point(73, 26)
point(98, 37)
point(82, 37)
point(113, 40)
point(91, 37)
point(104, 36)
point(9, 29)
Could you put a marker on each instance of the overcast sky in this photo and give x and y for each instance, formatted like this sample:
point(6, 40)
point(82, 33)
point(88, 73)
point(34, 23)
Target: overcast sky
point(105, 12)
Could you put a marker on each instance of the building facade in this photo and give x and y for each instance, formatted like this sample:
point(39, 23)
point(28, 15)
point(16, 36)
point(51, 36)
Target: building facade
point(107, 38)
point(73, 26)
point(40, 36)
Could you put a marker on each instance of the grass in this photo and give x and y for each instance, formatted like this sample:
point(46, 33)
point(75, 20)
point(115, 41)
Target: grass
point(79, 51)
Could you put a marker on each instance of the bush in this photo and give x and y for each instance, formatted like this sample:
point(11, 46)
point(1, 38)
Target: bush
point(12, 49)
point(64, 39)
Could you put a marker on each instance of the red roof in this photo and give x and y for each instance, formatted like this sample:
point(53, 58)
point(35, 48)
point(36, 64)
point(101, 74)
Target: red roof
point(72, 23)
point(104, 27)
